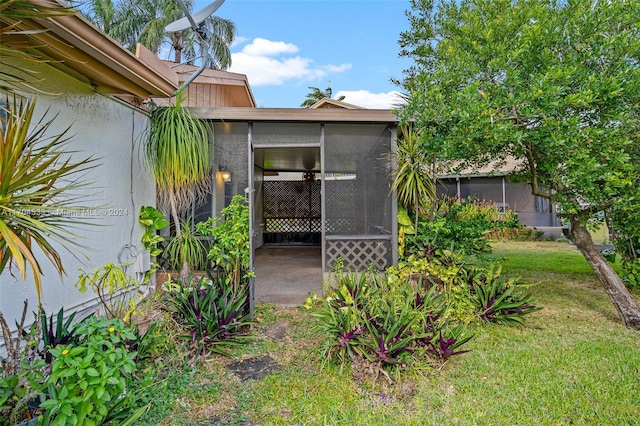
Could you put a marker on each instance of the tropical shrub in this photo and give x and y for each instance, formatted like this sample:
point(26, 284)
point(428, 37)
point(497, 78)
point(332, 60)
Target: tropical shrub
point(470, 293)
point(627, 247)
point(445, 272)
point(91, 381)
point(498, 299)
point(213, 311)
point(22, 371)
point(115, 290)
point(384, 324)
point(631, 273)
point(459, 225)
point(230, 250)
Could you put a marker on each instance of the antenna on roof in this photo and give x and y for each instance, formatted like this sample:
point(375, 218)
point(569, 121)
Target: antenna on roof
point(195, 22)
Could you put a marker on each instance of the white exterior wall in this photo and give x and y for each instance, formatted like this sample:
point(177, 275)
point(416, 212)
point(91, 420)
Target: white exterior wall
point(108, 130)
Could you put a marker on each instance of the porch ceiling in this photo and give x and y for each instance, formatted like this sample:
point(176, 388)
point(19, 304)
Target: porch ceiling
point(288, 159)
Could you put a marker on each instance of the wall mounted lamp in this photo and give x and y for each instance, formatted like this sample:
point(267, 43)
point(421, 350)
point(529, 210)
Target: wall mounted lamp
point(224, 173)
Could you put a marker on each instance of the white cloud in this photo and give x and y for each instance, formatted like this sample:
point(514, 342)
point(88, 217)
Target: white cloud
point(264, 47)
point(238, 41)
point(272, 63)
point(366, 99)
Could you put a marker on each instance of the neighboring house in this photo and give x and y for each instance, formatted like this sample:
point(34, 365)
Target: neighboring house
point(490, 183)
point(332, 103)
point(97, 88)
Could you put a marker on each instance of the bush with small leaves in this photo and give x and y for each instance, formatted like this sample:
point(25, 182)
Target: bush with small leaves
point(91, 381)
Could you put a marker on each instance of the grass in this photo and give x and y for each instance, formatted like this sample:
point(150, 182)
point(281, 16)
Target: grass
point(574, 363)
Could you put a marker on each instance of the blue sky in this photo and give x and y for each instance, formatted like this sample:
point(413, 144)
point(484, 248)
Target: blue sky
point(285, 46)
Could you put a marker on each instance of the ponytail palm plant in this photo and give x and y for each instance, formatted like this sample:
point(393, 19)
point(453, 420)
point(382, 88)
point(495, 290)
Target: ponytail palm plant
point(37, 181)
point(177, 154)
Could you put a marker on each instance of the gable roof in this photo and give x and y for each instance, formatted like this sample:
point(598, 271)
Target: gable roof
point(212, 88)
point(79, 49)
point(332, 103)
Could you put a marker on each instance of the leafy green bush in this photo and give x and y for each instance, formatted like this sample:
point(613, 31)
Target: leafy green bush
point(230, 248)
point(469, 292)
point(22, 371)
point(445, 272)
point(214, 312)
point(631, 273)
point(91, 381)
point(459, 225)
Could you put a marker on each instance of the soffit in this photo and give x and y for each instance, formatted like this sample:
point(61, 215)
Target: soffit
point(77, 47)
point(292, 159)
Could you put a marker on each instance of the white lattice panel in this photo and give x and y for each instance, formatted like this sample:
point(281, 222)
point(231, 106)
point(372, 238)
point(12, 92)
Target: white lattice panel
point(357, 255)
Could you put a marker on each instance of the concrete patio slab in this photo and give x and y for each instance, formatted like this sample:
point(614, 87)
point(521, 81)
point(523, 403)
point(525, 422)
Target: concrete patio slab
point(286, 275)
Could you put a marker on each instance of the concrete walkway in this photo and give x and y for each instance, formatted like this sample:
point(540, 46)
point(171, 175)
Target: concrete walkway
point(285, 275)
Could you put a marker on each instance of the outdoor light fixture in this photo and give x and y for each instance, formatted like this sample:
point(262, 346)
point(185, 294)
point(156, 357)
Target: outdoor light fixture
point(224, 173)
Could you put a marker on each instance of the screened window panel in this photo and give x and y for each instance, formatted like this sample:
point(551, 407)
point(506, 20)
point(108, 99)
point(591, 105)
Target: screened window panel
point(358, 211)
point(357, 167)
point(231, 145)
point(269, 134)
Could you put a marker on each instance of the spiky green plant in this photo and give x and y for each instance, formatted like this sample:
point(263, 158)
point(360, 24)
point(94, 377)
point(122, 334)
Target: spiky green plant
point(177, 154)
point(413, 179)
point(37, 183)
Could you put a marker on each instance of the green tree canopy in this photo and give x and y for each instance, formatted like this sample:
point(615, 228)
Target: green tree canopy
point(555, 85)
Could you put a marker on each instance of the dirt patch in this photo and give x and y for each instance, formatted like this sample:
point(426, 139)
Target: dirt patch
point(254, 368)
point(277, 331)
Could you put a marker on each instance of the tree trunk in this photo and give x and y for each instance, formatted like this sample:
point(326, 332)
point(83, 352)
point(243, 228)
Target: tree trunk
point(624, 302)
point(186, 270)
point(177, 44)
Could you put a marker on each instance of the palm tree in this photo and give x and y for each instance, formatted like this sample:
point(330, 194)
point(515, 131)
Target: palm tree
point(36, 177)
point(144, 21)
point(317, 95)
point(220, 34)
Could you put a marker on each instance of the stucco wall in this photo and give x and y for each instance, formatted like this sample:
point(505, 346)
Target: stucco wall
point(109, 131)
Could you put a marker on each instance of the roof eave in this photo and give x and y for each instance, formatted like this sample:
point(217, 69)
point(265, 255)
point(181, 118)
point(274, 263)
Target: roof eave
point(335, 115)
point(75, 43)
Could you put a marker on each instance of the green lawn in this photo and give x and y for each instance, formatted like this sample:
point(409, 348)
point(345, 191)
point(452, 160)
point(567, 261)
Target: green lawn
point(574, 363)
